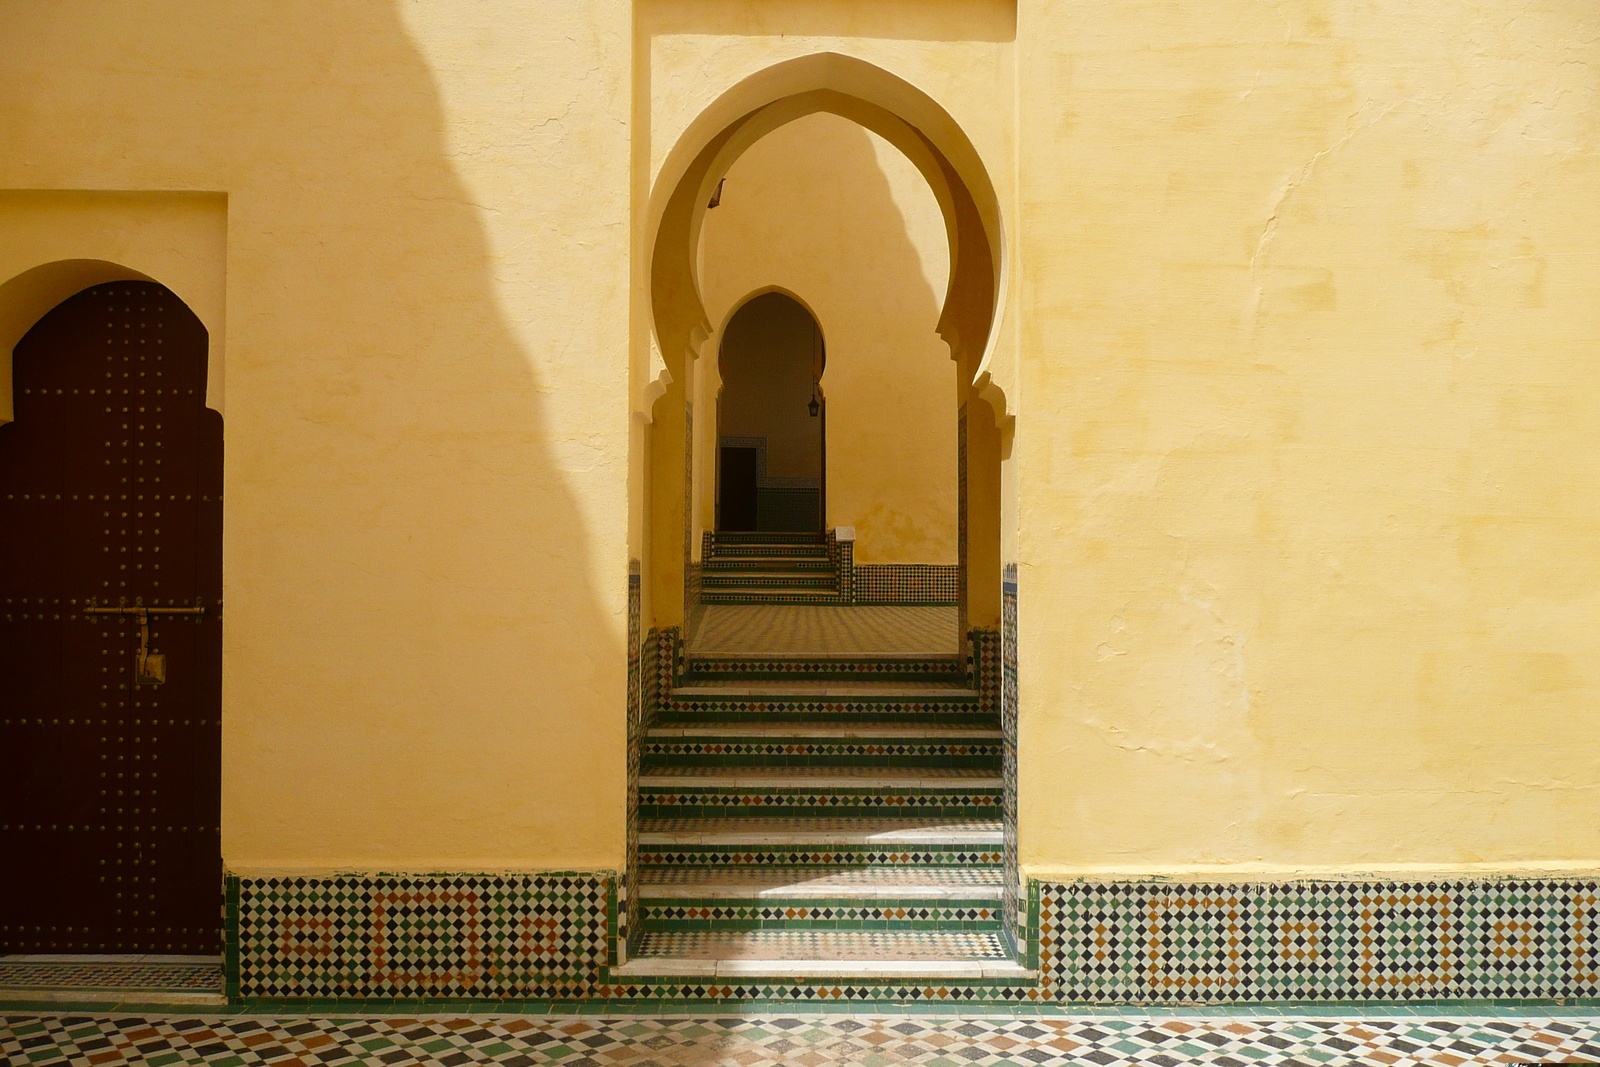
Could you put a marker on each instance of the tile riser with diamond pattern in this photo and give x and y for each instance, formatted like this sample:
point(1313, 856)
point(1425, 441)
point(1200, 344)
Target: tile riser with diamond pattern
point(851, 856)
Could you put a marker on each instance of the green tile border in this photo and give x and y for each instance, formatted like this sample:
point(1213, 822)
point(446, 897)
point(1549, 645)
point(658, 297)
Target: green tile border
point(1413, 925)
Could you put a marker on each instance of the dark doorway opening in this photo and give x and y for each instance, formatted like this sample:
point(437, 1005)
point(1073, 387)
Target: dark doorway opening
point(770, 419)
point(111, 645)
point(736, 502)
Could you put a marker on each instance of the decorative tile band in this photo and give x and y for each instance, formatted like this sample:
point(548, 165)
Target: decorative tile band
point(494, 936)
point(1016, 922)
point(784, 564)
point(667, 803)
point(888, 667)
point(798, 581)
point(956, 711)
point(851, 856)
point(549, 937)
point(640, 683)
point(907, 583)
point(1154, 942)
point(865, 752)
point(739, 596)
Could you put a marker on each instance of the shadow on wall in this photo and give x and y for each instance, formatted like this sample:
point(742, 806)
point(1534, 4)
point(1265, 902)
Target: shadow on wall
point(824, 209)
point(419, 670)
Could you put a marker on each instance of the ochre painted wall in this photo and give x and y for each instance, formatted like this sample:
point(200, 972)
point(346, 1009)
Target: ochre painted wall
point(426, 428)
point(1309, 411)
point(835, 215)
point(1300, 314)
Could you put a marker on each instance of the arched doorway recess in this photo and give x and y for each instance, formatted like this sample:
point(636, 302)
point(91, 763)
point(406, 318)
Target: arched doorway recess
point(111, 520)
point(749, 707)
point(916, 125)
point(771, 419)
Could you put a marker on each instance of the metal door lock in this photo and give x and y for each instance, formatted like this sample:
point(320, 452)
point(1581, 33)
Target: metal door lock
point(149, 667)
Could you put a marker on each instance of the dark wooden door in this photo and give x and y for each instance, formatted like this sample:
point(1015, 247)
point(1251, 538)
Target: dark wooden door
point(110, 495)
point(736, 489)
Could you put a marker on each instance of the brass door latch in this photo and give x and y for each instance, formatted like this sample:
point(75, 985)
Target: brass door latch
point(149, 667)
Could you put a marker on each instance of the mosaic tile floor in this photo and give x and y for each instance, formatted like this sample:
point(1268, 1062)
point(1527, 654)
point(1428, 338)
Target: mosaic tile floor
point(825, 630)
point(81, 1041)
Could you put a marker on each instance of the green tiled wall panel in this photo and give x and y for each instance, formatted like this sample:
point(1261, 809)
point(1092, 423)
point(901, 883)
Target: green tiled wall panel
point(551, 936)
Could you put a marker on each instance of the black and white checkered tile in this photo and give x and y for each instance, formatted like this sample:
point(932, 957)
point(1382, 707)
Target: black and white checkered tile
point(524, 1041)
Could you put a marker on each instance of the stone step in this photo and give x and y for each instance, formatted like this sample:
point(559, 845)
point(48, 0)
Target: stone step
point(730, 797)
point(819, 842)
point(767, 581)
point(819, 778)
point(768, 596)
point(740, 543)
point(824, 954)
point(974, 884)
point(867, 668)
point(772, 564)
point(845, 914)
point(839, 791)
point(819, 830)
point(731, 751)
point(733, 708)
point(768, 552)
point(789, 732)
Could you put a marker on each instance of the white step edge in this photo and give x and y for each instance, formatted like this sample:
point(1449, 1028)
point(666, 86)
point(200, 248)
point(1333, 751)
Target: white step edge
point(665, 967)
point(114, 996)
point(949, 657)
point(802, 891)
point(810, 781)
point(909, 691)
point(824, 731)
point(801, 837)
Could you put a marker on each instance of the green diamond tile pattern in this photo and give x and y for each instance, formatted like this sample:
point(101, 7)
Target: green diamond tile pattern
point(422, 936)
point(1338, 941)
point(778, 1041)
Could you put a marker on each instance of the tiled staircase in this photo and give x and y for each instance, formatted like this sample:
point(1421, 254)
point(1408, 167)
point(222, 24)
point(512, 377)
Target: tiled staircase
point(767, 568)
point(821, 817)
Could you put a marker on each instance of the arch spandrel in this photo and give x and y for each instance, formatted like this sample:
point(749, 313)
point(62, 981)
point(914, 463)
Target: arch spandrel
point(879, 101)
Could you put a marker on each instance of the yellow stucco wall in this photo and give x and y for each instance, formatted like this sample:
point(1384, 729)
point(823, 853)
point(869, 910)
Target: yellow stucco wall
point(1300, 309)
point(1310, 562)
point(835, 215)
point(427, 422)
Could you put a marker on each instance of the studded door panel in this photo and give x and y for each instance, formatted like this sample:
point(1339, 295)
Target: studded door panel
point(110, 495)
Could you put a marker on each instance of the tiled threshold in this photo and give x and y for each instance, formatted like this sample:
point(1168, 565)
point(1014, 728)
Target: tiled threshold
point(119, 998)
point(779, 831)
point(112, 979)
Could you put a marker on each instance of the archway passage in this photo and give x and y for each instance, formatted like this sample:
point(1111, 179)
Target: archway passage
point(111, 653)
point(770, 422)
